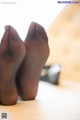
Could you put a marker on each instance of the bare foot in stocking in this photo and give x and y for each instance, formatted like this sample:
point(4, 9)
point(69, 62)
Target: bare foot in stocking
point(12, 53)
point(37, 53)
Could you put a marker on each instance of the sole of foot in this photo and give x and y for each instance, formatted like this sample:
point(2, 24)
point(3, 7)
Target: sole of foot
point(36, 43)
point(12, 53)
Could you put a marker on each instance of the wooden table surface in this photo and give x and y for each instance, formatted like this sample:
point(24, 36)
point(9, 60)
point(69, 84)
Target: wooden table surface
point(52, 103)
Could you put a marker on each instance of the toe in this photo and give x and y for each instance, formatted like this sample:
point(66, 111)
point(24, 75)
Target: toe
point(16, 45)
point(13, 34)
point(40, 32)
point(5, 36)
point(4, 42)
point(31, 31)
point(36, 31)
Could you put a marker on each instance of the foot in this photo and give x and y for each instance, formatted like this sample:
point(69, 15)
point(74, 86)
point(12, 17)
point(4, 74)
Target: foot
point(12, 53)
point(37, 48)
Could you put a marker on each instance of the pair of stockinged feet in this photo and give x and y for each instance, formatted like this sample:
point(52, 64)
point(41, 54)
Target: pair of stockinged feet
point(21, 63)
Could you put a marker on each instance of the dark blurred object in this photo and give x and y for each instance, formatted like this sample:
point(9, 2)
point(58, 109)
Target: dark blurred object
point(44, 75)
point(51, 74)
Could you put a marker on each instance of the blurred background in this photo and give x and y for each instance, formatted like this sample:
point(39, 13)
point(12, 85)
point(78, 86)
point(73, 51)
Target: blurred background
point(61, 22)
point(64, 41)
point(20, 14)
